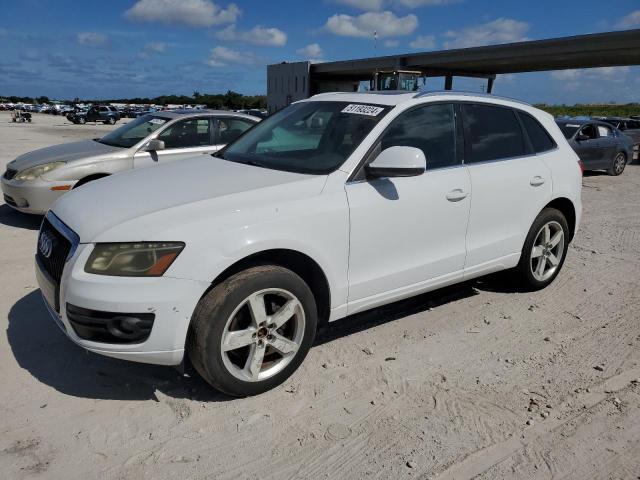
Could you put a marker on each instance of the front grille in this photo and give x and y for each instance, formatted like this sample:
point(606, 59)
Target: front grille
point(53, 249)
point(10, 173)
point(110, 327)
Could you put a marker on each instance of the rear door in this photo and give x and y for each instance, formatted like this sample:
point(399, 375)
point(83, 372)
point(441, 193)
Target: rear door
point(510, 184)
point(182, 139)
point(608, 144)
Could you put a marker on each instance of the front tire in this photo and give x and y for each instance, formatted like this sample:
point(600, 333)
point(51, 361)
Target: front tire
point(82, 120)
point(618, 164)
point(544, 251)
point(252, 331)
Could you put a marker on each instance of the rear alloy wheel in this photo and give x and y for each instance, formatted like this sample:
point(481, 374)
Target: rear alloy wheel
point(253, 330)
point(548, 249)
point(110, 121)
point(618, 165)
point(544, 251)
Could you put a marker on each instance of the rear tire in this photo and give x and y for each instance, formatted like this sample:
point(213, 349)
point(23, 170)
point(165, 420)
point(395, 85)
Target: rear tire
point(544, 250)
point(618, 164)
point(252, 331)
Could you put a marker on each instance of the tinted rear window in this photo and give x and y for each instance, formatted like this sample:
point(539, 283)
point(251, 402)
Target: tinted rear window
point(494, 133)
point(541, 141)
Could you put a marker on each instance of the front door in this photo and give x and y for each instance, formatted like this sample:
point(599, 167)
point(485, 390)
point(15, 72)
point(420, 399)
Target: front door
point(182, 139)
point(408, 234)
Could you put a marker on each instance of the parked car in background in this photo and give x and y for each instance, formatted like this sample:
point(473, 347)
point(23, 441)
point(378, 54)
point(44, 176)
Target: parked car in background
point(142, 112)
point(33, 181)
point(599, 145)
point(97, 113)
point(628, 126)
point(334, 205)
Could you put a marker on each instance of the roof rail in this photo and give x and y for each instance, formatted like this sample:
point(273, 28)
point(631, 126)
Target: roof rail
point(468, 94)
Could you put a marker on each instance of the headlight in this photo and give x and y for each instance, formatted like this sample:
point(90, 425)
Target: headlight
point(35, 172)
point(145, 259)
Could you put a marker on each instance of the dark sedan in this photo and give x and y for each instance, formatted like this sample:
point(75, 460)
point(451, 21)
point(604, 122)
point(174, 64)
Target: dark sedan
point(630, 127)
point(599, 145)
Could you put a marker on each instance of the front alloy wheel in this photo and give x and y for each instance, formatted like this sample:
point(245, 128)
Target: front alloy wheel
point(251, 331)
point(262, 335)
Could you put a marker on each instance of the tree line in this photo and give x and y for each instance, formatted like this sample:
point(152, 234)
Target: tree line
point(230, 100)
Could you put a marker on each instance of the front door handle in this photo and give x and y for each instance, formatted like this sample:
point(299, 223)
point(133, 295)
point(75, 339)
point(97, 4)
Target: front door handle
point(536, 181)
point(456, 195)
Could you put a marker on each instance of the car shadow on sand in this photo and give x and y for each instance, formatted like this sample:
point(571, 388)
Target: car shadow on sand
point(13, 218)
point(44, 351)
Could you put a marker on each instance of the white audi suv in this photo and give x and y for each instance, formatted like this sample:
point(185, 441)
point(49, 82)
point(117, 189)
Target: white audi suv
point(337, 204)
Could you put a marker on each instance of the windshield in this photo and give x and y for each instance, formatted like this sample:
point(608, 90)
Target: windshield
point(569, 129)
point(132, 132)
point(306, 137)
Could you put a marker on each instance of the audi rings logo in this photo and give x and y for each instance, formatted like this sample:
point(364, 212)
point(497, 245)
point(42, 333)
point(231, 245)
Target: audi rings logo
point(45, 244)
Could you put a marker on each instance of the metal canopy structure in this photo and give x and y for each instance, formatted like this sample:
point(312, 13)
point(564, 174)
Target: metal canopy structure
point(610, 49)
point(584, 51)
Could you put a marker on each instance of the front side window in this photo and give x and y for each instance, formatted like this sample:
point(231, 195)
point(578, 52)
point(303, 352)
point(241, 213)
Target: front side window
point(494, 133)
point(194, 132)
point(589, 131)
point(133, 132)
point(430, 128)
point(307, 137)
point(231, 128)
point(541, 141)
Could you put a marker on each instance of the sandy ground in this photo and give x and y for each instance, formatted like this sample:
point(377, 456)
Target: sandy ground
point(474, 380)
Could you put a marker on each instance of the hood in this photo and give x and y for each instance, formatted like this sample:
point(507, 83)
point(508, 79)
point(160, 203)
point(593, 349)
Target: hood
point(153, 198)
point(66, 152)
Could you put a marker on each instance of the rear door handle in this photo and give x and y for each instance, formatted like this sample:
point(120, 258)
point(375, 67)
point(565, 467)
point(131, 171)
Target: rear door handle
point(536, 181)
point(456, 195)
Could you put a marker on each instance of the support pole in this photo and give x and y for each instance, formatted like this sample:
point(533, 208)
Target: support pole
point(448, 82)
point(490, 81)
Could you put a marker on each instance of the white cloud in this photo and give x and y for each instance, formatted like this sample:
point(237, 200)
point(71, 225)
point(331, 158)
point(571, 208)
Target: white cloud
point(221, 56)
point(195, 13)
point(630, 21)
point(386, 24)
point(153, 48)
point(312, 51)
point(258, 35)
point(573, 78)
point(424, 3)
point(377, 5)
point(424, 42)
point(391, 43)
point(501, 30)
point(92, 39)
point(366, 5)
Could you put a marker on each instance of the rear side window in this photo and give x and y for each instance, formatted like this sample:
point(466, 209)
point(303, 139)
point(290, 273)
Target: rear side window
point(541, 141)
point(493, 133)
point(431, 129)
point(604, 131)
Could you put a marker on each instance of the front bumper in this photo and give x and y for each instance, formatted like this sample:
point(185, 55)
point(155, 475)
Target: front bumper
point(34, 196)
point(172, 300)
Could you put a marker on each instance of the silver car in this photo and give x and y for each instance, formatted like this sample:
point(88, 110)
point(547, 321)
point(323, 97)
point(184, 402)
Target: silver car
point(33, 181)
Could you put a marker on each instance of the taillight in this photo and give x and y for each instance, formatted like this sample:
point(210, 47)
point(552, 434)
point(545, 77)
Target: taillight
point(581, 165)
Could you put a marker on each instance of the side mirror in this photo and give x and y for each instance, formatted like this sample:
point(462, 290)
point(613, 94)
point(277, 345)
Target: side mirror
point(154, 145)
point(398, 162)
point(582, 137)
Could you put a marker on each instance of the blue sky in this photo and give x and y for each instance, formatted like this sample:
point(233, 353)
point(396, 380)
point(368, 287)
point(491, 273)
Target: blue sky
point(127, 48)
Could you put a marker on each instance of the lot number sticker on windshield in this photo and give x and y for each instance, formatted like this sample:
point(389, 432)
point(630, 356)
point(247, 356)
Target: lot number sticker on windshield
point(157, 121)
point(369, 110)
